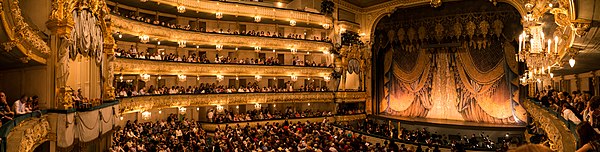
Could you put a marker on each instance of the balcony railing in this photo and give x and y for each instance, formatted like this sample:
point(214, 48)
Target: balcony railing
point(141, 103)
point(560, 131)
point(155, 67)
point(137, 28)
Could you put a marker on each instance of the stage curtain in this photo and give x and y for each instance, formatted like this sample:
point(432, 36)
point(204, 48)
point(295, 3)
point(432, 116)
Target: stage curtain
point(411, 97)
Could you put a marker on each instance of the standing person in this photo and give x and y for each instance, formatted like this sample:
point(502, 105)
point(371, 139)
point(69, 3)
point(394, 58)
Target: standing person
point(210, 115)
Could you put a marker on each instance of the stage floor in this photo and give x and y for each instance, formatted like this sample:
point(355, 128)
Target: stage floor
point(452, 123)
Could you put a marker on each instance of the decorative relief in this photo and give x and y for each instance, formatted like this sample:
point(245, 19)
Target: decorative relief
point(350, 117)
point(138, 28)
point(156, 102)
point(28, 134)
point(133, 66)
point(21, 34)
point(8, 46)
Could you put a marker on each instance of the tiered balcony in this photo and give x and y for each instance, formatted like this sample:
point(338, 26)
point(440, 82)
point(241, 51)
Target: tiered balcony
point(127, 66)
point(155, 32)
point(141, 103)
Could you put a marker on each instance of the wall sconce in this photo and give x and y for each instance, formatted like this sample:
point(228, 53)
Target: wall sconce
point(220, 78)
point(144, 38)
point(159, 77)
point(120, 35)
point(257, 18)
point(572, 62)
point(219, 15)
point(292, 23)
point(121, 77)
point(294, 78)
point(219, 108)
point(342, 30)
point(326, 26)
point(181, 43)
point(219, 47)
point(181, 9)
point(257, 77)
point(182, 110)
point(257, 48)
point(257, 106)
point(181, 77)
point(146, 115)
point(145, 77)
point(294, 50)
point(326, 78)
point(158, 43)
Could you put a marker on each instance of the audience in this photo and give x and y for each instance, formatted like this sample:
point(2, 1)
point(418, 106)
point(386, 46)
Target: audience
point(193, 58)
point(262, 114)
point(188, 27)
point(5, 113)
point(211, 88)
point(572, 106)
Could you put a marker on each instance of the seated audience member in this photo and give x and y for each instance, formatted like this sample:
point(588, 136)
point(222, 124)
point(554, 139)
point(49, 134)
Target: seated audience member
point(569, 115)
point(20, 107)
point(5, 113)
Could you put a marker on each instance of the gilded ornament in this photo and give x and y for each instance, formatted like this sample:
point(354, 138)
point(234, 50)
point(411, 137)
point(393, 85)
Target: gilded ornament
point(401, 35)
point(484, 28)
point(470, 29)
point(435, 3)
point(412, 34)
point(391, 35)
point(439, 32)
point(422, 33)
point(457, 28)
point(497, 27)
point(8, 46)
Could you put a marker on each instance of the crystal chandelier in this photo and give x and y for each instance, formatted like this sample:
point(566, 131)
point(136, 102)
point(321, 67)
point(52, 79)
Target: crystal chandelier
point(219, 15)
point(257, 18)
point(539, 53)
point(144, 38)
point(181, 43)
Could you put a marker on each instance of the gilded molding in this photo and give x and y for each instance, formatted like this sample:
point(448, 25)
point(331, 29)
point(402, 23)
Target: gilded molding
point(240, 9)
point(28, 134)
point(162, 33)
point(25, 38)
point(561, 138)
point(142, 103)
point(134, 66)
point(352, 96)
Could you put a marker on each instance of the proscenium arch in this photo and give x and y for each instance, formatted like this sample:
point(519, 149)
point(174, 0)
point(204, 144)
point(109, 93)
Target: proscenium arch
point(377, 76)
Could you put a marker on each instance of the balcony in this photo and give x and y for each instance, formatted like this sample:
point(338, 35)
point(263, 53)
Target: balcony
point(561, 132)
point(142, 103)
point(153, 67)
point(136, 28)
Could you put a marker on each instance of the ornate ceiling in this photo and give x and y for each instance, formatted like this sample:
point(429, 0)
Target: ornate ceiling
point(588, 44)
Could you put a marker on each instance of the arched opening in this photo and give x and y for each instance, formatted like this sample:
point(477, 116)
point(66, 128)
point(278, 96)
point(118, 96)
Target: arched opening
point(453, 62)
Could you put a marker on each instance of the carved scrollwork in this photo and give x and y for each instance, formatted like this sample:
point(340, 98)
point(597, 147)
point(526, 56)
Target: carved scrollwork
point(28, 134)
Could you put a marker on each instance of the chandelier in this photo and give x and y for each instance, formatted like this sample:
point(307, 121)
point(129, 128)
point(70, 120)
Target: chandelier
point(220, 78)
point(219, 15)
point(144, 38)
point(145, 77)
point(181, 9)
point(326, 26)
point(539, 53)
point(181, 77)
point(257, 18)
point(292, 23)
point(181, 43)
